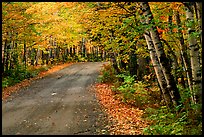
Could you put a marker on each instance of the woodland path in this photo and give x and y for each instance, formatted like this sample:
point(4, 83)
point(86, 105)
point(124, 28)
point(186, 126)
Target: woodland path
point(60, 103)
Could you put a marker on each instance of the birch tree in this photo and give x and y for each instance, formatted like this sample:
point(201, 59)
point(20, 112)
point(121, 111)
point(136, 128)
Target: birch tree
point(183, 47)
point(194, 54)
point(163, 60)
point(158, 71)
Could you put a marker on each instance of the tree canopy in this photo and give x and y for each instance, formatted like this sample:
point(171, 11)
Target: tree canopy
point(161, 41)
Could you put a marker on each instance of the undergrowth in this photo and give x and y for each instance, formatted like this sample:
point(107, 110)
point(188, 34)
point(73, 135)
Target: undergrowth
point(146, 95)
point(107, 74)
point(19, 73)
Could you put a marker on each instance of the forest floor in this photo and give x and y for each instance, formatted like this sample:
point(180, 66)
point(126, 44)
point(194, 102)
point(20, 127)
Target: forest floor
point(67, 100)
point(123, 119)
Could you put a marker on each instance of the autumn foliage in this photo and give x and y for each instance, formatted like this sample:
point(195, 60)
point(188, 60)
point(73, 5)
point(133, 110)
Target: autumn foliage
point(151, 42)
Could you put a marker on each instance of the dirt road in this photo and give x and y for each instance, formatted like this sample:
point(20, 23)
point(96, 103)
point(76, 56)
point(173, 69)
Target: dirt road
point(60, 103)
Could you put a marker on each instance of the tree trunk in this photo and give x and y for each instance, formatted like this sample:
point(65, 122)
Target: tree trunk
point(174, 63)
point(104, 55)
point(158, 71)
point(51, 56)
point(198, 7)
point(32, 56)
point(121, 63)
point(24, 53)
point(43, 57)
point(184, 56)
point(7, 49)
point(11, 66)
point(194, 55)
point(83, 47)
point(92, 53)
point(114, 63)
point(70, 51)
point(47, 57)
point(101, 53)
point(3, 52)
point(132, 65)
point(199, 12)
point(74, 50)
point(163, 60)
point(37, 56)
point(96, 48)
point(67, 53)
point(15, 54)
point(3, 56)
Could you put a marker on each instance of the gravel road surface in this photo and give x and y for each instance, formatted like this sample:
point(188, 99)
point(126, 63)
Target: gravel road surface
point(61, 103)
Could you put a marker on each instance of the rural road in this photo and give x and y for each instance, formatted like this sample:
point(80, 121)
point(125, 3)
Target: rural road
point(59, 104)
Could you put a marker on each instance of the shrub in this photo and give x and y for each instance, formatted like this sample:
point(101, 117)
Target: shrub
point(5, 82)
point(133, 92)
point(15, 75)
point(20, 73)
point(165, 122)
point(186, 122)
point(107, 74)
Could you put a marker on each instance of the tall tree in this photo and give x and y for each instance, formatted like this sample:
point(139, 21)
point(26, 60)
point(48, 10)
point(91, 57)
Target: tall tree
point(194, 53)
point(158, 70)
point(163, 60)
point(183, 52)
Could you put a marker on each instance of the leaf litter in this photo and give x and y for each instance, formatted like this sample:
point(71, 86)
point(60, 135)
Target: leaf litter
point(123, 119)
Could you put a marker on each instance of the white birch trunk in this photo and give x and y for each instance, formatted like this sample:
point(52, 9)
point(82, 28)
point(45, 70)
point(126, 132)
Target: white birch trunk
point(158, 71)
point(163, 60)
point(194, 55)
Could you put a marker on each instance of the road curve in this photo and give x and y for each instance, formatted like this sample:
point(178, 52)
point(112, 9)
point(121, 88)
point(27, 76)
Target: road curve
point(58, 104)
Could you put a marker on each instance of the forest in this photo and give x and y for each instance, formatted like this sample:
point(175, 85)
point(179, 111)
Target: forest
point(154, 50)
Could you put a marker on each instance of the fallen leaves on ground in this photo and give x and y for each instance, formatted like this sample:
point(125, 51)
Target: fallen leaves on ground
point(125, 119)
point(8, 90)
